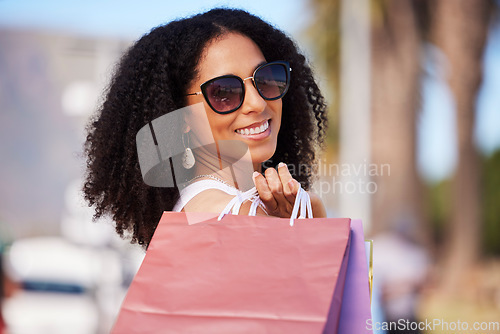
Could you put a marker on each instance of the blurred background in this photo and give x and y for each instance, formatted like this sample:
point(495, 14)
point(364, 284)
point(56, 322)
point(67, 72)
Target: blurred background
point(413, 149)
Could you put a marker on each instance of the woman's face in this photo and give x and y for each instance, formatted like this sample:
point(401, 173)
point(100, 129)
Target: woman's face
point(238, 55)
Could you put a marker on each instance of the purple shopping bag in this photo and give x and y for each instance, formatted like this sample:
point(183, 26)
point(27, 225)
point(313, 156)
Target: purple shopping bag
point(356, 300)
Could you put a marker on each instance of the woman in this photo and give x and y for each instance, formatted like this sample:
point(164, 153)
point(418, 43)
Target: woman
point(180, 65)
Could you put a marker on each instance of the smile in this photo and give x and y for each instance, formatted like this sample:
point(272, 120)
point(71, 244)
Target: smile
point(254, 130)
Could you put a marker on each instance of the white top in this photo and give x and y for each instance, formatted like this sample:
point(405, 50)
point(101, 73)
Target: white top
point(233, 206)
point(302, 200)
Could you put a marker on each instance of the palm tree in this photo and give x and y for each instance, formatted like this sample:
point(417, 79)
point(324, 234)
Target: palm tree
point(399, 30)
point(396, 56)
point(460, 29)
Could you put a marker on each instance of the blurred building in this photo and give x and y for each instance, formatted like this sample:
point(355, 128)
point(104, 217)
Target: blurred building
point(49, 85)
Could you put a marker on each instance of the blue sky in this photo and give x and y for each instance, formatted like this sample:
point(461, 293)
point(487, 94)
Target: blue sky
point(130, 19)
point(437, 154)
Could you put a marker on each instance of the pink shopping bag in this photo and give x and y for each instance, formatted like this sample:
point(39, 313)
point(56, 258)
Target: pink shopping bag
point(239, 275)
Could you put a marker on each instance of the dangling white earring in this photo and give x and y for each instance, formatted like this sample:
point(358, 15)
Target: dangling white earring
point(188, 157)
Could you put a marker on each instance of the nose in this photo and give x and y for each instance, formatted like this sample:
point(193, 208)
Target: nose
point(252, 101)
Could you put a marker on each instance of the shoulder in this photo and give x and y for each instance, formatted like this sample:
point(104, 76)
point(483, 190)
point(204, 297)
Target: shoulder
point(210, 200)
point(214, 201)
point(245, 209)
point(319, 210)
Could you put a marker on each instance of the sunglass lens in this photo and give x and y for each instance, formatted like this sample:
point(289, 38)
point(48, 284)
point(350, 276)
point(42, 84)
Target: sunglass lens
point(271, 80)
point(225, 94)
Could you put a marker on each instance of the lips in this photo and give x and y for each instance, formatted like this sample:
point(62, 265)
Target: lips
point(255, 128)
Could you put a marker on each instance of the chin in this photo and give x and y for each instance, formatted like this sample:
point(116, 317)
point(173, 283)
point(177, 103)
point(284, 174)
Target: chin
point(259, 155)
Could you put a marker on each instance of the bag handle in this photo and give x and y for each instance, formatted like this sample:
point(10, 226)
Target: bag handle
point(234, 204)
point(302, 203)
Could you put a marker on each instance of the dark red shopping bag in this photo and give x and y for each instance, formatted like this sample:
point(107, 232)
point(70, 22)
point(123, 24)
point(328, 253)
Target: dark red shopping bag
point(242, 274)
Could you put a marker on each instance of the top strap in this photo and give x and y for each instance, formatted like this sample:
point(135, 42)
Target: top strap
point(189, 192)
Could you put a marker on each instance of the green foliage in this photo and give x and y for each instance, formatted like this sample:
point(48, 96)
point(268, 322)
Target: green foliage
point(324, 34)
point(491, 203)
point(439, 208)
point(439, 205)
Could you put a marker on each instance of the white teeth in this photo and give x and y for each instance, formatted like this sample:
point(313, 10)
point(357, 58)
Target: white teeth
point(255, 130)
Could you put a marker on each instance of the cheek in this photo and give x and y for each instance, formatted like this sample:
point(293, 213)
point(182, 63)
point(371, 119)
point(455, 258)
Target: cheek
point(277, 111)
point(221, 125)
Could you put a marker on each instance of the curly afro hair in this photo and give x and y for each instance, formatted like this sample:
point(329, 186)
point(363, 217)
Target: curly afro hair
point(151, 79)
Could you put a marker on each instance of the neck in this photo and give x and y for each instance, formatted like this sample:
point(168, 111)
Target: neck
point(236, 173)
point(257, 166)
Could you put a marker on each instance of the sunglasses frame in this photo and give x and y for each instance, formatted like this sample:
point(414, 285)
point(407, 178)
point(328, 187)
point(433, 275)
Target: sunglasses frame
point(204, 86)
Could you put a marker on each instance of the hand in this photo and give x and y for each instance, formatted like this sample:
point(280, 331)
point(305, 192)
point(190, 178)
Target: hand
point(277, 189)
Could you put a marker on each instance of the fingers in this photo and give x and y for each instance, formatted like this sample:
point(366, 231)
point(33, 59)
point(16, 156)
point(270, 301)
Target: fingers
point(289, 184)
point(265, 192)
point(276, 186)
point(277, 190)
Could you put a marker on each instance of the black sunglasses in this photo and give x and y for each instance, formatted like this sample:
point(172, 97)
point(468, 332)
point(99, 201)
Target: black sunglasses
point(226, 93)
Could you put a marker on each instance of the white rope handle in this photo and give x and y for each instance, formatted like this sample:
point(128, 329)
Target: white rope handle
point(302, 202)
point(234, 204)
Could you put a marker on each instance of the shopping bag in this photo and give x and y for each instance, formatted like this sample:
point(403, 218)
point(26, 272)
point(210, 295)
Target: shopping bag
point(242, 274)
point(356, 308)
